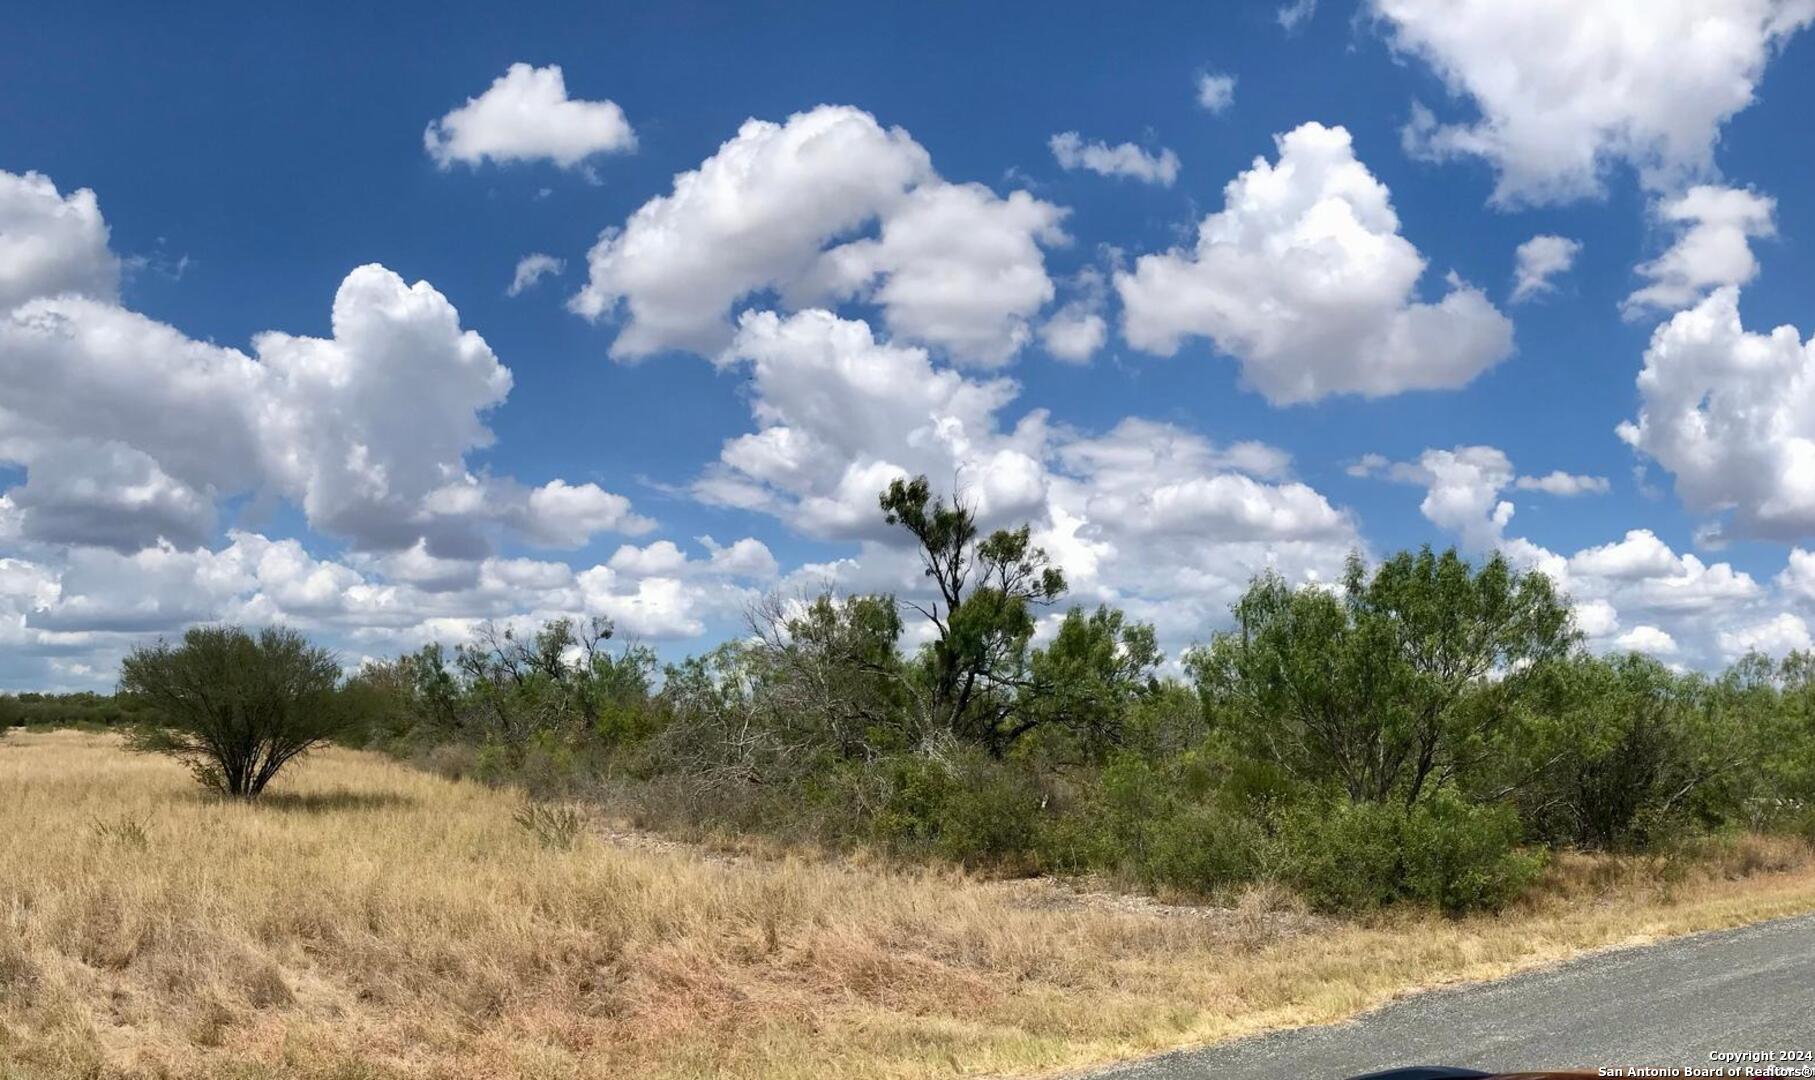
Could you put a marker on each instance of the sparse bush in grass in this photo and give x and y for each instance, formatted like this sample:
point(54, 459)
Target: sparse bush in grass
point(1801, 824)
point(557, 827)
point(236, 708)
point(548, 768)
point(453, 761)
point(125, 831)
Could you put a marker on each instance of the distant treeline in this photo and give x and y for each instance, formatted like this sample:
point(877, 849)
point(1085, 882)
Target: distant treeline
point(71, 710)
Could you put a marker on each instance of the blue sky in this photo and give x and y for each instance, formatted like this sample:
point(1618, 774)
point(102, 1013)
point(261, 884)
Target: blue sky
point(1280, 378)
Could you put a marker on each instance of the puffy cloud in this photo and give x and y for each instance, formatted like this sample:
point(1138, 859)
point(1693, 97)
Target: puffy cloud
point(1713, 248)
point(952, 265)
point(1122, 160)
point(1639, 556)
point(1368, 465)
point(526, 115)
point(1565, 485)
point(563, 515)
point(746, 558)
point(1217, 92)
point(1077, 329)
point(1462, 491)
point(161, 589)
point(109, 495)
point(1783, 633)
point(82, 375)
point(327, 414)
point(658, 559)
point(130, 432)
point(423, 569)
point(532, 268)
point(1798, 576)
point(1731, 415)
point(1147, 515)
point(1646, 639)
point(658, 607)
point(754, 215)
point(842, 414)
point(1655, 579)
point(1155, 478)
point(1172, 527)
point(95, 603)
point(955, 266)
point(1538, 260)
point(1567, 90)
point(1304, 279)
point(52, 244)
point(1074, 334)
point(1597, 619)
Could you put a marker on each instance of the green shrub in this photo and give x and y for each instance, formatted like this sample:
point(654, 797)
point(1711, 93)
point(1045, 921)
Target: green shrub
point(1802, 824)
point(1462, 857)
point(235, 706)
point(1445, 852)
point(547, 768)
point(1341, 855)
point(912, 792)
point(990, 815)
point(1132, 798)
point(1200, 849)
point(492, 764)
point(960, 804)
point(1074, 841)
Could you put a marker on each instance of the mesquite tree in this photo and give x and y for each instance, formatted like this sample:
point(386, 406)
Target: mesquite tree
point(983, 615)
point(1389, 685)
point(235, 707)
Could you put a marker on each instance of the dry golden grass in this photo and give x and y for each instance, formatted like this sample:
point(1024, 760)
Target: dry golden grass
point(372, 921)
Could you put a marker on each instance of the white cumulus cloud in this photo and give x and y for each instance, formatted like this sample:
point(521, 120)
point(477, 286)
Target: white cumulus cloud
point(1127, 160)
point(1715, 227)
point(130, 432)
point(1730, 413)
point(1147, 514)
point(1632, 593)
point(1566, 90)
point(1216, 92)
point(1564, 484)
point(51, 244)
point(526, 115)
point(532, 268)
point(1540, 259)
point(1304, 278)
point(951, 265)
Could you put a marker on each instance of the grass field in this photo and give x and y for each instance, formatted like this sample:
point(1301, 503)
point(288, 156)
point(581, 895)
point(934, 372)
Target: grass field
point(368, 920)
